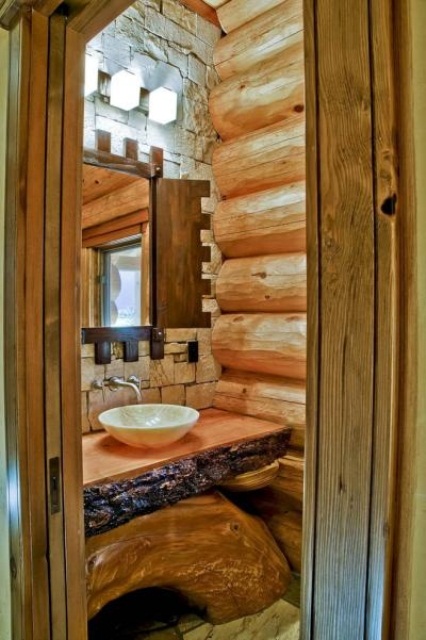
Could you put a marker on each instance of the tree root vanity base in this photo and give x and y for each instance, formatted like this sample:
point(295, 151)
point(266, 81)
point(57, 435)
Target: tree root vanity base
point(224, 561)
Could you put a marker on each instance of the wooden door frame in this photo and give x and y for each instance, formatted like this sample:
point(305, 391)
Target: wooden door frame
point(28, 293)
point(389, 433)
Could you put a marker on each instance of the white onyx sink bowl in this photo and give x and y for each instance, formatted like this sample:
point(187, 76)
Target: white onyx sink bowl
point(149, 425)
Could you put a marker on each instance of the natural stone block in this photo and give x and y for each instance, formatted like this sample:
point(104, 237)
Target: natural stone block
point(155, 47)
point(89, 372)
point(184, 372)
point(87, 350)
point(104, 109)
point(114, 368)
point(130, 30)
point(204, 148)
point(204, 337)
point(85, 425)
point(209, 305)
point(185, 142)
point(151, 396)
point(171, 169)
point(195, 92)
point(212, 78)
point(203, 51)
point(208, 369)
point(138, 120)
point(179, 14)
point(207, 31)
point(207, 236)
point(140, 369)
point(163, 136)
point(136, 12)
point(89, 114)
point(173, 395)
point(180, 335)
point(116, 52)
point(175, 347)
point(155, 22)
point(179, 59)
point(196, 70)
point(200, 396)
point(143, 348)
point(162, 372)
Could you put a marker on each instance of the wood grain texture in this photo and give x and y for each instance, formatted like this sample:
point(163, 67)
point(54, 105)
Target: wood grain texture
point(347, 305)
point(270, 92)
point(110, 504)
point(122, 227)
point(178, 253)
point(262, 343)
point(387, 324)
point(270, 30)
point(24, 392)
point(99, 181)
point(120, 202)
point(235, 13)
point(222, 560)
point(105, 459)
point(313, 326)
point(281, 515)
point(408, 345)
point(268, 158)
point(264, 397)
point(272, 221)
point(91, 17)
point(70, 337)
point(263, 283)
point(52, 315)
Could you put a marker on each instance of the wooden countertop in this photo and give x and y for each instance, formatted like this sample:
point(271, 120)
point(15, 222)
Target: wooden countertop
point(105, 459)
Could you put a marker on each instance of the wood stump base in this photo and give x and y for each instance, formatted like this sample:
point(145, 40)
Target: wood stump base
point(222, 560)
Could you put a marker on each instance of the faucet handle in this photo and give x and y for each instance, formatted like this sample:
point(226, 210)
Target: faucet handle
point(134, 380)
point(98, 385)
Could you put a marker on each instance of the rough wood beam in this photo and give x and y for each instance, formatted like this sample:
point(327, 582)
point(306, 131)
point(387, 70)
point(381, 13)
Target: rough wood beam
point(46, 7)
point(89, 18)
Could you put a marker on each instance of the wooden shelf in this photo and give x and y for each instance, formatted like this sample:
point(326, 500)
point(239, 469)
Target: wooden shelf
point(122, 482)
point(106, 460)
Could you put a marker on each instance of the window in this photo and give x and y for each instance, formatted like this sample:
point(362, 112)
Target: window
point(121, 284)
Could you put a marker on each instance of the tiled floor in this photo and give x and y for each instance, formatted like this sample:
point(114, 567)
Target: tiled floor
point(278, 622)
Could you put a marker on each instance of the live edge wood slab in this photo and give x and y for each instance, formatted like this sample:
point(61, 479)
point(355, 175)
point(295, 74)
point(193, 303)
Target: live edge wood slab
point(122, 482)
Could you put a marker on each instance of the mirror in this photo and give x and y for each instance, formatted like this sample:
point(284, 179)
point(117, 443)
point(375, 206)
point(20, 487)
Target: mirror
point(132, 270)
point(115, 248)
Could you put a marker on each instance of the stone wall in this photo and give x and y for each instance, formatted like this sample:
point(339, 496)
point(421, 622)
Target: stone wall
point(164, 44)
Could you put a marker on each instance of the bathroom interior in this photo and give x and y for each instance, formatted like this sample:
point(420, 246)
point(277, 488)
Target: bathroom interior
point(203, 538)
point(236, 353)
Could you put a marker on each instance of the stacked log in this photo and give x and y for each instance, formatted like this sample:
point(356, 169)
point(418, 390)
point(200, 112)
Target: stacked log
point(260, 337)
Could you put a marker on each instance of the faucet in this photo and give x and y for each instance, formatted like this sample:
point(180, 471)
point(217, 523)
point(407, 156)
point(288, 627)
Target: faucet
point(114, 383)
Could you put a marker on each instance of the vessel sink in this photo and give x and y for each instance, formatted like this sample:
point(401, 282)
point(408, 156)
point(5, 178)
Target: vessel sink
point(149, 425)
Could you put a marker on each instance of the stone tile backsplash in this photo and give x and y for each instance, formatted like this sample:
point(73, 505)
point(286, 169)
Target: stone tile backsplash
point(172, 380)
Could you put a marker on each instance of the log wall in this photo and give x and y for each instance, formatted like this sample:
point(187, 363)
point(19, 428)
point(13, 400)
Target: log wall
point(260, 338)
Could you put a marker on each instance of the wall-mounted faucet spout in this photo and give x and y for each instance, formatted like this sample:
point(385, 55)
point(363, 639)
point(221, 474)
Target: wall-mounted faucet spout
point(114, 383)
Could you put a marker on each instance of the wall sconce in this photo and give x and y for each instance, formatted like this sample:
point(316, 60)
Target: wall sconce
point(91, 68)
point(162, 105)
point(125, 90)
